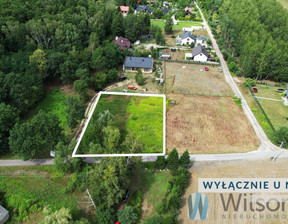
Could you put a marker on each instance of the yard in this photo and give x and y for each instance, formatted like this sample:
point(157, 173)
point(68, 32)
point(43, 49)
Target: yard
point(275, 110)
point(152, 86)
point(205, 124)
point(193, 79)
point(179, 26)
point(234, 169)
point(153, 186)
point(139, 114)
point(30, 189)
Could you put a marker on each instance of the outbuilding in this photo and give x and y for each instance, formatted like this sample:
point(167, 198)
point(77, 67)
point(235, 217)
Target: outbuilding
point(4, 215)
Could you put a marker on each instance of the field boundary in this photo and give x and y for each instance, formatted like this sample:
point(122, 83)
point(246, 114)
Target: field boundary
point(190, 62)
point(261, 108)
point(122, 155)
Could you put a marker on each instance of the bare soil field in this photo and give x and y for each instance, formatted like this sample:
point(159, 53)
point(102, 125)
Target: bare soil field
point(193, 79)
point(205, 124)
point(235, 169)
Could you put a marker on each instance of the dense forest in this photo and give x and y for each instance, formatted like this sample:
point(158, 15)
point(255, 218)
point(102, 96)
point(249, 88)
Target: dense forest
point(254, 32)
point(68, 41)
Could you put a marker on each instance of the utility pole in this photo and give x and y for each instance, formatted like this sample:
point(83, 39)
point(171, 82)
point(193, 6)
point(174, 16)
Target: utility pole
point(91, 198)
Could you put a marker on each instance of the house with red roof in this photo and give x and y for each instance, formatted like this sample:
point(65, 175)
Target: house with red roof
point(124, 10)
point(122, 41)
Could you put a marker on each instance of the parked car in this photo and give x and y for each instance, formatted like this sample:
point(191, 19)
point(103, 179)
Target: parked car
point(206, 68)
point(255, 90)
point(220, 69)
point(125, 198)
point(132, 87)
point(173, 49)
point(280, 90)
point(122, 77)
point(52, 154)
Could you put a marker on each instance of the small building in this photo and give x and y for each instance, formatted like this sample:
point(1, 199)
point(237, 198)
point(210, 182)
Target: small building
point(143, 9)
point(166, 4)
point(186, 38)
point(188, 10)
point(200, 40)
point(4, 215)
point(165, 56)
point(165, 10)
point(134, 63)
point(199, 53)
point(122, 41)
point(147, 36)
point(124, 10)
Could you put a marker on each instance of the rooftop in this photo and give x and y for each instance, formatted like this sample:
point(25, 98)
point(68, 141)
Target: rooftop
point(199, 50)
point(3, 213)
point(187, 34)
point(122, 41)
point(138, 62)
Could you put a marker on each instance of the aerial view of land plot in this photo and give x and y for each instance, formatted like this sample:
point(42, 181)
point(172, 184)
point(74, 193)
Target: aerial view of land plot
point(255, 169)
point(205, 124)
point(179, 26)
point(193, 79)
point(124, 124)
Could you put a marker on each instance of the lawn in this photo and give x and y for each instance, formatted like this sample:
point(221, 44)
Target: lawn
point(53, 102)
point(153, 186)
point(205, 124)
point(193, 79)
point(179, 26)
point(142, 115)
point(35, 188)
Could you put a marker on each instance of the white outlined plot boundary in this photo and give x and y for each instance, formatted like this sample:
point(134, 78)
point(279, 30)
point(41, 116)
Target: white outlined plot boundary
point(123, 155)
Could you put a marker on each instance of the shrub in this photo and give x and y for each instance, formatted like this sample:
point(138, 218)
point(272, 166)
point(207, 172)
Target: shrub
point(233, 67)
point(249, 82)
point(153, 220)
point(225, 54)
point(173, 160)
point(161, 162)
point(281, 135)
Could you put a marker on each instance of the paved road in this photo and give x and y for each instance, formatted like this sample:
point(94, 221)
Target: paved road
point(265, 143)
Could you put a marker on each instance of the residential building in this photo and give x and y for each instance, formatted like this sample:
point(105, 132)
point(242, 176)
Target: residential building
point(143, 9)
point(122, 41)
point(124, 10)
point(4, 215)
point(166, 4)
point(188, 10)
point(186, 38)
point(199, 53)
point(165, 10)
point(147, 36)
point(200, 40)
point(134, 63)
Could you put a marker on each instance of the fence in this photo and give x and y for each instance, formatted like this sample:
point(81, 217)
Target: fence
point(190, 62)
point(261, 108)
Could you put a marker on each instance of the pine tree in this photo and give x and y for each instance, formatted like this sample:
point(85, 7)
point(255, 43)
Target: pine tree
point(117, 24)
point(139, 78)
point(173, 160)
point(185, 160)
point(161, 162)
point(168, 28)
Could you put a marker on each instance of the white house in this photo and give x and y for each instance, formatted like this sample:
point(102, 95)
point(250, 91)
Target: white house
point(200, 40)
point(199, 53)
point(186, 38)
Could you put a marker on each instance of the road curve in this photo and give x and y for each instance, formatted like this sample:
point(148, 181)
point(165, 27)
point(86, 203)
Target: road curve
point(265, 142)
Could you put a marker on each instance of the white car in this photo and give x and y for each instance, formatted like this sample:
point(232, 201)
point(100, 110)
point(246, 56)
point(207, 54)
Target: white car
point(220, 69)
point(52, 154)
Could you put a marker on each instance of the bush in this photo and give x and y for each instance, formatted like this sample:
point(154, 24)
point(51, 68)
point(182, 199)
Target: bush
point(161, 162)
point(233, 67)
point(225, 54)
point(153, 220)
point(281, 135)
point(139, 78)
point(249, 82)
point(173, 160)
point(136, 202)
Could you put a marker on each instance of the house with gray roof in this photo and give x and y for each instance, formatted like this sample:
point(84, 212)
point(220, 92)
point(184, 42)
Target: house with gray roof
point(200, 40)
point(186, 38)
point(199, 53)
point(134, 63)
point(4, 215)
point(143, 9)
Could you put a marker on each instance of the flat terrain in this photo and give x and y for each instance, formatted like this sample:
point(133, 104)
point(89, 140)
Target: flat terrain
point(153, 187)
point(193, 79)
point(179, 26)
point(33, 188)
point(236, 169)
point(142, 115)
point(205, 124)
point(152, 86)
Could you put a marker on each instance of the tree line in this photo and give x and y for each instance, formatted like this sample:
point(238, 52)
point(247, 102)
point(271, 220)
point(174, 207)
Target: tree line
point(252, 33)
point(66, 40)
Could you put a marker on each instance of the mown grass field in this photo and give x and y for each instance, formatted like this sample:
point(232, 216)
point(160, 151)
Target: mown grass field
point(179, 26)
point(36, 188)
point(153, 185)
point(142, 115)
